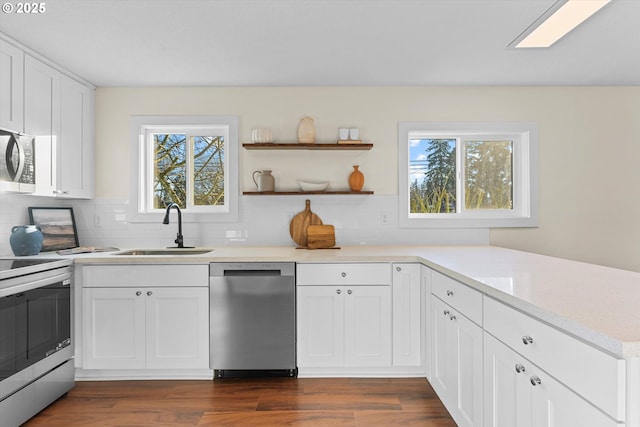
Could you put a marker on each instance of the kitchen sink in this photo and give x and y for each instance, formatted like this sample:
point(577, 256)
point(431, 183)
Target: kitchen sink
point(167, 251)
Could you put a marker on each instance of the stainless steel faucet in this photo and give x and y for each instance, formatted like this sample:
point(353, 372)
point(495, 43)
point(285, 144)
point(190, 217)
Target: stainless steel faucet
point(179, 239)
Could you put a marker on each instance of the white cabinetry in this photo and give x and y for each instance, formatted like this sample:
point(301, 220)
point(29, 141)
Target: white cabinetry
point(145, 317)
point(518, 393)
point(570, 378)
point(407, 342)
point(456, 350)
point(75, 149)
point(42, 120)
point(425, 279)
point(343, 316)
point(58, 111)
point(11, 84)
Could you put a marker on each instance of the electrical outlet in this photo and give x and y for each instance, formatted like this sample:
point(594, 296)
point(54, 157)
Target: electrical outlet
point(384, 218)
point(97, 220)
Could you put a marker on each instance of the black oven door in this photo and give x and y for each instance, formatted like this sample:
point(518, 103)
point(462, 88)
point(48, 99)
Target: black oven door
point(33, 325)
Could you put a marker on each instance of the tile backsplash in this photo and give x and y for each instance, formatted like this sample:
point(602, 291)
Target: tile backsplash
point(263, 221)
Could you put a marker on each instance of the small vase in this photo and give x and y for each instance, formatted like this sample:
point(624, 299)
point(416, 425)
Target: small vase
point(306, 131)
point(356, 179)
point(25, 240)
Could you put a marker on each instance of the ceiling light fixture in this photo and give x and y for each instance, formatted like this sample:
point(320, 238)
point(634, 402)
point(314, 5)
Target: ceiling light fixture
point(557, 21)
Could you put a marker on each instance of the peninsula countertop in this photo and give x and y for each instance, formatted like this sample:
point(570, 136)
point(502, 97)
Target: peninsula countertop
point(594, 303)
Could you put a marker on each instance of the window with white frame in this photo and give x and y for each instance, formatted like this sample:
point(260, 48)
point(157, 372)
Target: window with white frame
point(190, 161)
point(467, 174)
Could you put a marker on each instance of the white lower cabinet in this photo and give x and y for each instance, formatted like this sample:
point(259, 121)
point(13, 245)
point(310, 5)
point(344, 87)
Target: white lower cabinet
point(407, 338)
point(146, 328)
point(126, 324)
point(343, 317)
point(456, 363)
point(425, 283)
point(344, 326)
point(518, 393)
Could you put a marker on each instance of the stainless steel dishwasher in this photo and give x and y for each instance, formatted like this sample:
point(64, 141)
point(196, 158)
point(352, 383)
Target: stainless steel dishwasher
point(252, 316)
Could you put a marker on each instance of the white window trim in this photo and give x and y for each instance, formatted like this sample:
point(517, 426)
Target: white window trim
point(525, 180)
point(140, 125)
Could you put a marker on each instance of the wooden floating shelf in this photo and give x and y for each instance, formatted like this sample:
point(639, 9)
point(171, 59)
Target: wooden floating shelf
point(302, 193)
point(300, 146)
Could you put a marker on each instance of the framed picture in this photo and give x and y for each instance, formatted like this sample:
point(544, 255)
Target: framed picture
point(58, 227)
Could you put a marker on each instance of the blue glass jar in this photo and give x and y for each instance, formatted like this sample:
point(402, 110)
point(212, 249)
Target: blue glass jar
point(26, 240)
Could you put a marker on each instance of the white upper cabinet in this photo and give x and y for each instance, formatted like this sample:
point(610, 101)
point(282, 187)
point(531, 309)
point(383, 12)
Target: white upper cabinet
point(58, 111)
point(75, 149)
point(11, 84)
point(42, 120)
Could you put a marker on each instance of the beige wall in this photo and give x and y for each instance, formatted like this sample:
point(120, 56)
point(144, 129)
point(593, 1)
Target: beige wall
point(589, 148)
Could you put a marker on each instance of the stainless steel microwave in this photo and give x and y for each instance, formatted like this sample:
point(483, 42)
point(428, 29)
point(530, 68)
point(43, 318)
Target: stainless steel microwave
point(17, 162)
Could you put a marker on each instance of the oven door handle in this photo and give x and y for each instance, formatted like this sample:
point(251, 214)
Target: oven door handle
point(64, 278)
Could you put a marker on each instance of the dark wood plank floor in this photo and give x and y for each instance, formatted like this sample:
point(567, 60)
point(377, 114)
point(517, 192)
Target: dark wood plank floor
point(249, 402)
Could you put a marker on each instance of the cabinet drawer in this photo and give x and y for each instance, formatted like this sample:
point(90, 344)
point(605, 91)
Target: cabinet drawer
point(595, 375)
point(459, 296)
point(127, 275)
point(377, 273)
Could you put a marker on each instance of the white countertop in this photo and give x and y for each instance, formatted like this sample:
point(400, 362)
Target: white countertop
point(597, 304)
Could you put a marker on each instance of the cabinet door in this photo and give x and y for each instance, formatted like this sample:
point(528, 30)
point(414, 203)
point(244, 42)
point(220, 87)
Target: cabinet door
point(425, 279)
point(407, 342)
point(11, 83)
point(177, 332)
point(367, 331)
point(114, 328)
point(507, 394)
point(75, 150)
point(42, 120)
point(467, 342)
point(456, 365)
point(555, 405)
point(320, 311)
point(442, 374)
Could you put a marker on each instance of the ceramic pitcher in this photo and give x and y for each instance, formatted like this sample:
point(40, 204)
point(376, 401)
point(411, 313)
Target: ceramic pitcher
point(265, 181)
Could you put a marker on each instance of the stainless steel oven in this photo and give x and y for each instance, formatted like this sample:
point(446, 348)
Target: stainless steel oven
point(17, 162)
point(36, 347)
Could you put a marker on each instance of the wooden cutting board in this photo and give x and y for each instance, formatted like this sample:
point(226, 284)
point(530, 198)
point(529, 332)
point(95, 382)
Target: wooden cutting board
point(321, 236)
point(300, 223)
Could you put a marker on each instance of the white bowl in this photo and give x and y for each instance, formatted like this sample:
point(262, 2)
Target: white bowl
point(313, 185)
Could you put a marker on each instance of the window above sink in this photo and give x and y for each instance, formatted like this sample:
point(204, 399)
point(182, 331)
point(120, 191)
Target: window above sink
point(188, 160)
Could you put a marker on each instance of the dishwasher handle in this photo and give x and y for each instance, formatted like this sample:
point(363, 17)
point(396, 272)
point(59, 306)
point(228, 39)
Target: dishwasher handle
point(251, 269)
point(252, 273)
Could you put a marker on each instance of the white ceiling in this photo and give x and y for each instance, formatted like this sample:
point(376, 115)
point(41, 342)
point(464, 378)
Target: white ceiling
point(326, 42)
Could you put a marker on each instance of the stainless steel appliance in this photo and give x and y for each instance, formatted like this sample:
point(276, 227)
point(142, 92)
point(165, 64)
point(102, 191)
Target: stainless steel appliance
point(36, 347)
point(17, 162)
point(252, 319)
